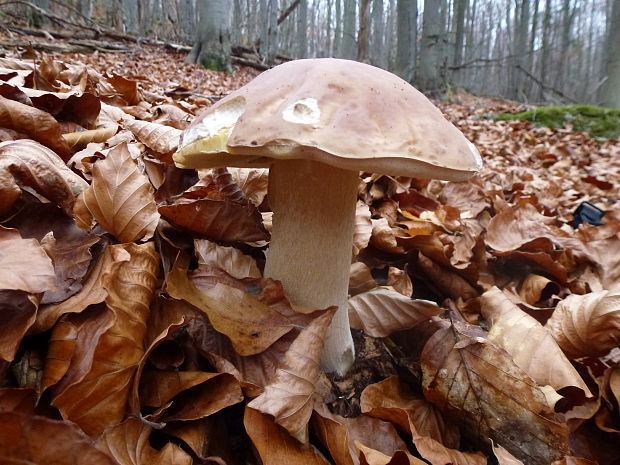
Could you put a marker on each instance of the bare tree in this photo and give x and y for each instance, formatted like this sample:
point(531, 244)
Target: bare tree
point(610, 91)
point(407, 14)
point(431, 76)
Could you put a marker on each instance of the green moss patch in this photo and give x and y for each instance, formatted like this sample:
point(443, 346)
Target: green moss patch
point(598, 121)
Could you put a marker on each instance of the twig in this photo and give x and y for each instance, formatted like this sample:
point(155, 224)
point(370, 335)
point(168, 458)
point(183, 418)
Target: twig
point(545, 86)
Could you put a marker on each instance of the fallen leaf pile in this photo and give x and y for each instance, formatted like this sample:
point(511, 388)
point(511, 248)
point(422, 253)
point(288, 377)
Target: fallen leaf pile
point(137, 327)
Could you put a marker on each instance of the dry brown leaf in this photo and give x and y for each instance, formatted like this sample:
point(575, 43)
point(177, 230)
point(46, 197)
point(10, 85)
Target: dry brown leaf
point(252, 181)
point(341, 435)
point(120, 198)
point(370, 456)
point(34, 275)
point(216, 219)
point(480, 388)
point(38, 124)
point(92, 292)
point(504, 457)
point(80, 139)
point(231, 260)
point(19, 400)
point(18, 310)
point(447, 281)
point(288, 397)
point(531, 345)
point(61, 349)
point(384, 236)
point(187, 395)
point(163, 140)
point(32, 439)
point(275, 446)
point(28, 163)
point(400, 281)
point(587, 325)
point(78, 107)
point(568, 460)
point(128, 443)
point(360, 279)
point(95, 391)
point(381, 311)
point(362, 227)
point(393, 401)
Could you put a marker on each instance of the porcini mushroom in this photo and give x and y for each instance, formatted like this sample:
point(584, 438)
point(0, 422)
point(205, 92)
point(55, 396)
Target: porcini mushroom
point(317, 123)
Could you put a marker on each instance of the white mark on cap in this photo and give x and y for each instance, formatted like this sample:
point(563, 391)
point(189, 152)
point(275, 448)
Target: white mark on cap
point(304, 111)
point(477, 157)
point(223, 117)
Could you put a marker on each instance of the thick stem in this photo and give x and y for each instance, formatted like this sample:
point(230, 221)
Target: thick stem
point(311, 242)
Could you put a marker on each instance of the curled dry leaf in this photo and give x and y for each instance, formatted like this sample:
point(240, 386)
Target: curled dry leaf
point(275, 446)
point(531, 345)
point(95, 391)
point(400, 281)
point(231, 260)
point(288, 397)
point(81, 108)
point(20, 400)
point(380, 312)
point(384, 236)
point(34, 439)
point(362, 228)
point(447, 281)
point(120, 198)
point(252, 181)
point(28, 163)
point(38, 124)
point(504, 457)
point(34, 275)
point(341, 436)
point(128, 443)
point(80, 139)
point(587, 325)
point(480, 388)
point(187, 395)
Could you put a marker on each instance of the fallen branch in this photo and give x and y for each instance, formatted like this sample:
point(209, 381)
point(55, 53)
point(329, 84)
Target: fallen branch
point(545, 86)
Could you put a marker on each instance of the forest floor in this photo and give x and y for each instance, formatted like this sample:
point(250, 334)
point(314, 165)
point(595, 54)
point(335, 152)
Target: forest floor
point(123, 277)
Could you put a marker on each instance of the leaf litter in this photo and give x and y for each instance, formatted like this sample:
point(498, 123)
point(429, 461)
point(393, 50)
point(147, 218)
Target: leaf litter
point(135, 314)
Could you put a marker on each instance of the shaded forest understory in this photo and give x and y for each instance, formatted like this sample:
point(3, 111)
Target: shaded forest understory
point(138, 327)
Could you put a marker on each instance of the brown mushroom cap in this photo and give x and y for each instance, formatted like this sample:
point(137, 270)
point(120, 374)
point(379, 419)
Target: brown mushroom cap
point(338, 112)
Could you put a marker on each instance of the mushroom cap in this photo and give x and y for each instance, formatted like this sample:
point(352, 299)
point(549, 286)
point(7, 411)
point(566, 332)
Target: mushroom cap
point(339, 112)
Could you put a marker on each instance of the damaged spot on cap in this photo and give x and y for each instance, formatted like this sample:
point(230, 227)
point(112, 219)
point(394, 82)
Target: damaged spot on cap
point(224, 117)
point(304, 111)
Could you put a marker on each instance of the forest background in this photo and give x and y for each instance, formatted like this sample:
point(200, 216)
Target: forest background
point(535, 51)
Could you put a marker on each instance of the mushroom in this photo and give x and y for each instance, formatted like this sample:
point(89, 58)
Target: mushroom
point(317, 123)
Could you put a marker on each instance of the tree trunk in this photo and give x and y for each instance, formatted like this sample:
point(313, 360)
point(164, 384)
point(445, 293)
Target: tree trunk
point(431, 76)
point(379, 55)
point(349, 49)
point(363, 40)
point(302, 30)
point(212, 46)
point(610, 91)
point(406, 32)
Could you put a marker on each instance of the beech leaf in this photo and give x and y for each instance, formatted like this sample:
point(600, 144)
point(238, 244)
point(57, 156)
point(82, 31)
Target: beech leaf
point(120, 198)
point(231, 260)
point(380, 312)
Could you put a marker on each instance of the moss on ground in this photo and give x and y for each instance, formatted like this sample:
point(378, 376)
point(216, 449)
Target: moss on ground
point(597, 121)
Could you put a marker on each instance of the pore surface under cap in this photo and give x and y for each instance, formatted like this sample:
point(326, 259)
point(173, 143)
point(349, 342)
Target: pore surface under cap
point(339, 112)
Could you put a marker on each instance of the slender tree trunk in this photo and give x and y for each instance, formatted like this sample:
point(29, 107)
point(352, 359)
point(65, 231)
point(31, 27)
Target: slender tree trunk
point(212, 45)
point(431, 76)
point(349, 49)
point(610, 91)
point(379, 55)
point(363, 40)
point(406, 35)
point(302, 30)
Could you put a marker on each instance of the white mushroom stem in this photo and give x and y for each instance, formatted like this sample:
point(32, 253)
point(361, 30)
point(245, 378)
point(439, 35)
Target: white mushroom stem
point(311, 243)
